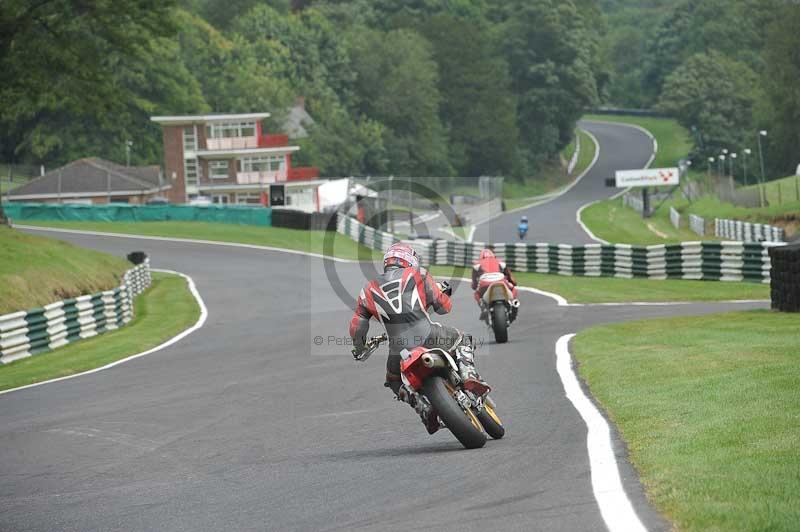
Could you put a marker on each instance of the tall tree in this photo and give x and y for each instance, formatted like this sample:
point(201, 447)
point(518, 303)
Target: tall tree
point(75, 72)
point(782, 56)
point(396, 85)
point(715, 94)
point(545, 43)
point(477, 108)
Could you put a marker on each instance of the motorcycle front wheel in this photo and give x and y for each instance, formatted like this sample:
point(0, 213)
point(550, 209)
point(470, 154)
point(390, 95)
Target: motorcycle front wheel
point(491, 422)
point(464, 425)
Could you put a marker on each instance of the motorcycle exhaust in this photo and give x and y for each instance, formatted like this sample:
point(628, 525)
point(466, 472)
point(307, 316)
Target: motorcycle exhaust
point(515, 303)
point(432, 361)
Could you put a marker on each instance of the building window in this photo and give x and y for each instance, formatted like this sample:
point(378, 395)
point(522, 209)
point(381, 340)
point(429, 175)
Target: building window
point(189, 139)
point(248, 198)
point(226, 130)
point(263, 163)
point(190, 171)
point(218, 169)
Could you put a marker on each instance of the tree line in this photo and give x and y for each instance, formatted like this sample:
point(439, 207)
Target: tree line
point(726, 69)
point(407, 87)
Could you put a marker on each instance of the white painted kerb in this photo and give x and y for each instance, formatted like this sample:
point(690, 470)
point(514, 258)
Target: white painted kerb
point(615, 507)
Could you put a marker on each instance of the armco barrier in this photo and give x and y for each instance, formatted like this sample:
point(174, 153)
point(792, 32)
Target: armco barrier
point(697, 224)
point(120, 212)
point(34, 331)
point(718, 261)
point(675, 218)
point(747, 232)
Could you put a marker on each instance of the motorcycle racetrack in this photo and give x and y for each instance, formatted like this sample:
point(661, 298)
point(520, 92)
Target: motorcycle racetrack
point(261, 420)
point(620, 147)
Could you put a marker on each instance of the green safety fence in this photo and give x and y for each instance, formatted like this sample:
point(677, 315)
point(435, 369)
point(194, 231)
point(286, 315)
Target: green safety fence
point(230, 214)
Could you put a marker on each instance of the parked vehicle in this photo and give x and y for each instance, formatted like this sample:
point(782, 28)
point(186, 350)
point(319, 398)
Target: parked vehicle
point(432, 379)
point(157, 200)
point(202, 201)
point(499, 304)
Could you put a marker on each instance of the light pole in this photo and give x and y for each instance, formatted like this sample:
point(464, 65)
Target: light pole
point(128, 144)
point(721, 165)
point(710, 166)
point(747, 152)
point(733, 160)
point(762, 133)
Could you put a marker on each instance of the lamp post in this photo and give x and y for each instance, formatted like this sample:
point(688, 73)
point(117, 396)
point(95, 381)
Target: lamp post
point(710, 165)
point(721, 165)
point(762, 133)
point(733, 160)
point(747, 152)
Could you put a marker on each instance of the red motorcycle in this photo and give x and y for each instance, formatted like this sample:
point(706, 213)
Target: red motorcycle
point(435, 388)
point(498, 304)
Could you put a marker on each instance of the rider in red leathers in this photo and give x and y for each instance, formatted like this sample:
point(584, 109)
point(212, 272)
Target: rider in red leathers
point(399, 299)
point(489, 263)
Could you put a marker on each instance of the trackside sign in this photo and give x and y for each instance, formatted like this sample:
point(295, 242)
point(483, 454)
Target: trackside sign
point(651, 177)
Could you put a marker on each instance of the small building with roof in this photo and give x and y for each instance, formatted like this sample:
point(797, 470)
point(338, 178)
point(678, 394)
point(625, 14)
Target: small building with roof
point(93, 180)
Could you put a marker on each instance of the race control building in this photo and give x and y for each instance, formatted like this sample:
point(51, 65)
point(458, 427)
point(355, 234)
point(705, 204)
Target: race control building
point(228, 158)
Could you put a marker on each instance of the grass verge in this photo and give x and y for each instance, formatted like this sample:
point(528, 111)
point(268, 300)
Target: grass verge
point(35, 270)
point(613, 290)
point(614, 222)
point(299, 240)
point(709, 409)
point(163, 311)
point(674, 141)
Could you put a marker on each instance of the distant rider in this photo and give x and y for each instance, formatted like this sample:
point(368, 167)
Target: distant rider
point(489, 263)
point(523, 227)
point(399, 299)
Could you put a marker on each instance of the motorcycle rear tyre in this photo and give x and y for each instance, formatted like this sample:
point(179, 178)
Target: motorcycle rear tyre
point(452, 415)
point(500, 322)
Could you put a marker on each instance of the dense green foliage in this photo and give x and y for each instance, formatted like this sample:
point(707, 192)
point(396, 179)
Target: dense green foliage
point(724, 68)
point(414, 87)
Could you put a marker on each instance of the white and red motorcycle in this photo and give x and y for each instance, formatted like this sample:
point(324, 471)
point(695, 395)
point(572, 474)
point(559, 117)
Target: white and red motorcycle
point(435, 388)
point(498, 304)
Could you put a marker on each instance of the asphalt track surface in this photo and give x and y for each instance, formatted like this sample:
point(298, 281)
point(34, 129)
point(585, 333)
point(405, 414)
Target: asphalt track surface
point(621, 148)
point(248, 425)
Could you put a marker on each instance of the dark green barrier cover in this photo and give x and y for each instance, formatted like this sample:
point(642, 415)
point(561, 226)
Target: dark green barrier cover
point(119, 212)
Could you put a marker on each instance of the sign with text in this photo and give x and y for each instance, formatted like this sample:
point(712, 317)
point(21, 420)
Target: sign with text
point(649, 177)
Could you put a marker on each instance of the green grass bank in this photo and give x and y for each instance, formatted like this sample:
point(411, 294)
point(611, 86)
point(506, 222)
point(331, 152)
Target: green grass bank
point(709, 408)
point(35, 270)
point(163, 311)
point(294, 239)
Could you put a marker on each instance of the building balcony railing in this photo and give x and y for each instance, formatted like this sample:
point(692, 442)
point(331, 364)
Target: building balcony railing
point(257, 178)
point(303, 173)
point(232, 143)
point(241, 143)
point(273, 141)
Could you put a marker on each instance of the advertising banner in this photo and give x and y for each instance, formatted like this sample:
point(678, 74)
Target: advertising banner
point(649, 177)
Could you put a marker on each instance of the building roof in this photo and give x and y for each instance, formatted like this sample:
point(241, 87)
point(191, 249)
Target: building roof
point(204, 119)
point(92, 176)
point(297, 120)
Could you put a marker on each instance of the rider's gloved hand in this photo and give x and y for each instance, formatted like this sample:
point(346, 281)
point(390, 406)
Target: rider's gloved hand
point(358, 351)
